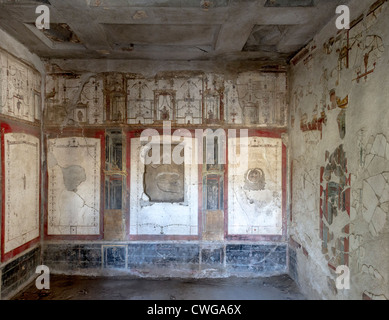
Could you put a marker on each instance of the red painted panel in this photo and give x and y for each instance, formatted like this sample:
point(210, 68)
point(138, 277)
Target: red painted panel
point(10, 126)
point(291, 192)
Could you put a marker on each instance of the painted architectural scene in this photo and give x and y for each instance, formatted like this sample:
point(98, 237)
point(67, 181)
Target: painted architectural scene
point(198, 142)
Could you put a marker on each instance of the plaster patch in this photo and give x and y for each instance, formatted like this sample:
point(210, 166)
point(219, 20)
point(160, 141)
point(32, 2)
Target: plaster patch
point(377, 166)
point(370, 201)
point(387, 152)
point(385, 194)
point(378, 220)
point(379, 146)
point(377, 183)
point(372, 271)
point(385, 207)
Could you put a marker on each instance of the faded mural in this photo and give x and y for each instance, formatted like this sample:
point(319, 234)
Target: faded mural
point(338, 121)
point(22, 191)
point(163, 197)
point(253, 98)
point(20, 89)
point(74, 173)
point(255, 192)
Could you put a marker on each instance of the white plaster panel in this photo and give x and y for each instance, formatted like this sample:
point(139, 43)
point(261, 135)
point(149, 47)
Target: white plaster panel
point(74, 186)
point(251, 211)
point(148, 218)
point(22, 170)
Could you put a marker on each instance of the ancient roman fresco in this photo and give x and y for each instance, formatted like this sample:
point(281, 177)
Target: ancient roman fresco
point(20, 89)
point(372, 187)
point(213, 171)
point(252, 99)
point(74, 168)
point(22, 205)
point(74, 100)
point(180, 100)
point(115, 98)
point(353, 56)
point(164, 196)
point(335, 205)
point(341, 201)
point(114, 169)
point(164, 182)
point(262, 99)
point(255, 189)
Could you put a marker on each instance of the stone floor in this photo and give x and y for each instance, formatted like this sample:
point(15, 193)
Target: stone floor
point(108, 288)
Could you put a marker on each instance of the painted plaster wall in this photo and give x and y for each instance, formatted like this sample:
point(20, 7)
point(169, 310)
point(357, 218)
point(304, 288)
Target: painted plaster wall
point(146, 237)
point(22, 194)
point(255, 189)
point(18, 50)
point(130, 103)
point(20, 114)
point(150, 217)
point(74, 168)
point(186, 98)
point(339, 142)
point(20, 89)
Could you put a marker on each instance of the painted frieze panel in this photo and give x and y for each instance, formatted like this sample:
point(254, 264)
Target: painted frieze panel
point(20, 89)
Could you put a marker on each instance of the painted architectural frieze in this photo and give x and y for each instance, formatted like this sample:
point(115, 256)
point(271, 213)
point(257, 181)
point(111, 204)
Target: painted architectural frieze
point(251, 99)
point(20, 89)
point(74, 100)
point(262, 98)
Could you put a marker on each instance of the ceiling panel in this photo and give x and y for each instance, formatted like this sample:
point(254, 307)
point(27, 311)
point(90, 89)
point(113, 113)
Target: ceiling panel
point(290, 3)
point(181, 30)
point(161, 34)
point(159, 3)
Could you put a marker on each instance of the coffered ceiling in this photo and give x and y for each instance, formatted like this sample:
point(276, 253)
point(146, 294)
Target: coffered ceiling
point(175, 30)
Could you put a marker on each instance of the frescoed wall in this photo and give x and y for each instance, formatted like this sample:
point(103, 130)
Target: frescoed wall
point(20, 85)
point(74, 173)
point(255, 190)
point(20, 116)
point(251, 99)
point(207, 202)
point(163, 197)
point(169, 200)
point(20, 164)
point(338, 143)
point(22, 193)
